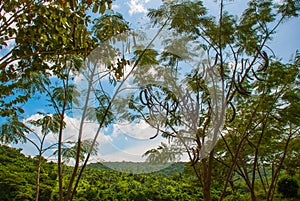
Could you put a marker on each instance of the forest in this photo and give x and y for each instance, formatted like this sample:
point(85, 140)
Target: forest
point(177, 182)
point(220, 103)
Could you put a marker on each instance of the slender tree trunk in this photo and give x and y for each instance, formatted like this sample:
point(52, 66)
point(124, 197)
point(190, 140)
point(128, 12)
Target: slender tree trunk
point(206, 181)
point(262, 180)
point(85, 107)
point(59, 163)
point(107, 110)
point(242, 166)
point(37, 185)
point(275, 173)
point(60, 140)
point(198, 174)
point(207, 173)
point(253, 196)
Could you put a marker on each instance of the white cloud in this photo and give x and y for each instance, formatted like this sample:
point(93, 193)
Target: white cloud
point(141, 130)
point(136, 6)
point(129, 142)
point(133, 151)
point(115, 6)
point(70, 133)
point(125, 142)
point(112, 147)
point(89, 130)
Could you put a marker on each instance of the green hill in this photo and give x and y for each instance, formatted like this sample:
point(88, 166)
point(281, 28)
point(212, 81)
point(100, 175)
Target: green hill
point(142, 167)
point(99, 182)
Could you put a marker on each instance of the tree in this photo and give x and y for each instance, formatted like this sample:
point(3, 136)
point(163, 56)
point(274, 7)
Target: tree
point(18, 174)
point(50, 38)
point(236, 53)
point(48, 124)
point(33, 35)
point(263, 130)
point(288, 187)
point(95, 103)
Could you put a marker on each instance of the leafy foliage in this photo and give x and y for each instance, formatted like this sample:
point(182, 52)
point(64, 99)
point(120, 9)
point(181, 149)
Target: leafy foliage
point(246, 79)
point(97, 184)
point(70, 150)
point(31, 34)
point(100, 183)
point(13, 131)
point(18, 175)
point(288, 187)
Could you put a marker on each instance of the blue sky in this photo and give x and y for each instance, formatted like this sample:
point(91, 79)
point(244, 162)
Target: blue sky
point(127, 142)
point(286, 42)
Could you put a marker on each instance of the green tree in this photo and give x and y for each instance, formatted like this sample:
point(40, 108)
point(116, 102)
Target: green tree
point(96, 103)
point(49, 124)
point(50, 38)
point(18, 175)
point(32, 32)
point(259, 139)
point(236, 51)
point(288, 187)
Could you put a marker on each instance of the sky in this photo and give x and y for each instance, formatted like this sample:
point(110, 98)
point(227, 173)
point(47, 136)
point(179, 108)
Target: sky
point(127, 141)
point(136, 10)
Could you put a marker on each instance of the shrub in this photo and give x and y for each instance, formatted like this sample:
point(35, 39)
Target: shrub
point(288, 187)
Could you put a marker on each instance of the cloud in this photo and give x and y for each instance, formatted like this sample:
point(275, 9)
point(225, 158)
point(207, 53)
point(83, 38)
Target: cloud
point(138, 131)
point(115, 6)
point(10, 42)
point(125, 142)
point(89, 130)
point(136, 6)
point(128, 150)
point(70, 133)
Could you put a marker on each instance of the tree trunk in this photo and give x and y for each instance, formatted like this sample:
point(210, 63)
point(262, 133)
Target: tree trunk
point(207, 169)
point(206, 181)
point(60, 141)
point(77, 160)
point(59, 163)
point(253, 197)
point(275, 173)
point(37, 185)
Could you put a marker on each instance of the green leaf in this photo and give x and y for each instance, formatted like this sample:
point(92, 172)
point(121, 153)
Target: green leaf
point(109, 4)
point(102, 8)
point(95, 8)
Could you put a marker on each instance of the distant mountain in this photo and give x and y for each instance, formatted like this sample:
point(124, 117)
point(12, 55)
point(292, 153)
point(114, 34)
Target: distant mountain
point(168, 169)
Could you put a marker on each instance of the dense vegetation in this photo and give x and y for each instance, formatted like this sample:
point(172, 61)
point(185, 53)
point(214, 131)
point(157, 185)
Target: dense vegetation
point(18, 173)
